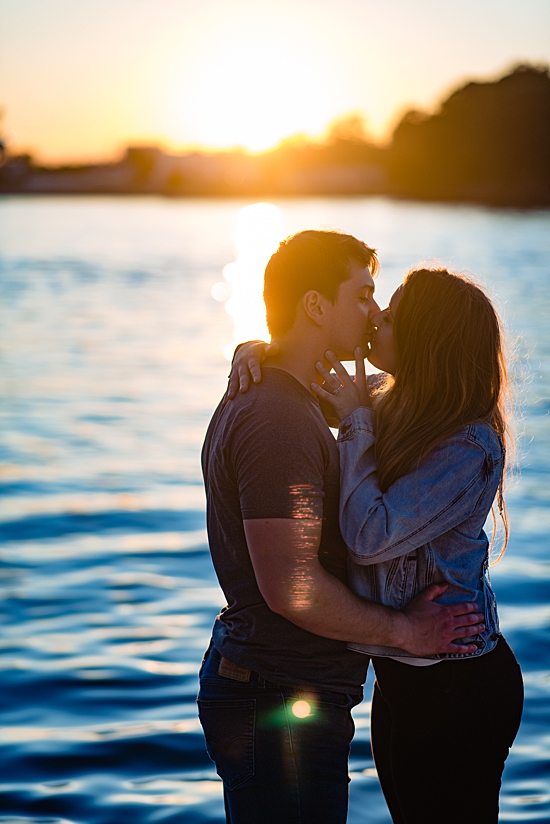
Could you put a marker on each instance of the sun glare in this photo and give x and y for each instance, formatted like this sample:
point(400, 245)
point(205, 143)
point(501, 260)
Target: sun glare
point(257, 90)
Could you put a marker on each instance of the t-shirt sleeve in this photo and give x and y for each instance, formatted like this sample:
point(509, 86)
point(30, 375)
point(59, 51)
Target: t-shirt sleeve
point(279, 460)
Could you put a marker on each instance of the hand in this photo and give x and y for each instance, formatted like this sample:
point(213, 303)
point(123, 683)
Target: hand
point(431, 628)
point(246, 364)
point(345, 394)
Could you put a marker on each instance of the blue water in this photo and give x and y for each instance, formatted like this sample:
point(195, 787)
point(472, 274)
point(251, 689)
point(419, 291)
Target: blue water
point(110, 366)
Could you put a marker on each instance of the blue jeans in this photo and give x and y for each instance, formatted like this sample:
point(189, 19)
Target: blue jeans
point(281, 752)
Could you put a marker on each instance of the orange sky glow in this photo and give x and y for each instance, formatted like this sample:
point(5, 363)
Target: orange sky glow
point(80, 81)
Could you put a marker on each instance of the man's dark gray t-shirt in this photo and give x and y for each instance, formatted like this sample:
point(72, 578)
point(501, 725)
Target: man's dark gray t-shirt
point(270, 454)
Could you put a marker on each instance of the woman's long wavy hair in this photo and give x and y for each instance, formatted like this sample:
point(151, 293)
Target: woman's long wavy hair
point(451, 371)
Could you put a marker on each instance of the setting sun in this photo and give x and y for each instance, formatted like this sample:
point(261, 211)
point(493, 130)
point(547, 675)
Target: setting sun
point(258, 89)
point(81, 81)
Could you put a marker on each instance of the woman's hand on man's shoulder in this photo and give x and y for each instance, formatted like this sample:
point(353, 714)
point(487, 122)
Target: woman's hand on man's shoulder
point(246, 365)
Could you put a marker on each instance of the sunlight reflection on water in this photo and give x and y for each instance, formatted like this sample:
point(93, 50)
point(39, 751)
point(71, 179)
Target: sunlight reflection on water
point(110, 366)
point(258, 232)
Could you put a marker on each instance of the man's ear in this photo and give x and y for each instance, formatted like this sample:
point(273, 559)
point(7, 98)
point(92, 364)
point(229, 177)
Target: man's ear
point(315, 306)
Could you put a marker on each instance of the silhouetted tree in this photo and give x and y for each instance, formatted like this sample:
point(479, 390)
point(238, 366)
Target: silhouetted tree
point(350, 128)
point(489, 142)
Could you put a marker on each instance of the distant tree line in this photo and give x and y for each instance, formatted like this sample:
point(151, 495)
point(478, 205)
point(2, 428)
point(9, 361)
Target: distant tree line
point(489, 142)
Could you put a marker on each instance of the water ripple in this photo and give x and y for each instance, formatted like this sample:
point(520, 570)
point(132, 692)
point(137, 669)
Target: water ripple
point(110, 366)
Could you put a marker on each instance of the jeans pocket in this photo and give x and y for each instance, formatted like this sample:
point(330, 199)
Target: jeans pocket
point(229, 731)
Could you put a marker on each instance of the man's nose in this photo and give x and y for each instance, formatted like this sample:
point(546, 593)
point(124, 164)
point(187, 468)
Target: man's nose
point(376, 318)
point(373, 310)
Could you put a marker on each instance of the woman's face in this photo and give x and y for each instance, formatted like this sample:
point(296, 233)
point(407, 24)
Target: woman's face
point(382, 352)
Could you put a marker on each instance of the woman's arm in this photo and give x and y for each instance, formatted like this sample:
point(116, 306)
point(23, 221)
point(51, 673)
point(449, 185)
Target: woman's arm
point(440, 494)
point(246, 364)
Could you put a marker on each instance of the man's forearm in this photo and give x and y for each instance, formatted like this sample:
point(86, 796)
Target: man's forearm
point(284, 555)
point(328, 608)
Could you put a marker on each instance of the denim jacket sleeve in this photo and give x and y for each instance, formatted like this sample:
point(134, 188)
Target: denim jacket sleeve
point(443, 492)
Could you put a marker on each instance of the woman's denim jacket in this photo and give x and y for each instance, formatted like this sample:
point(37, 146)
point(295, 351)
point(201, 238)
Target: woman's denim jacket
point(426, 528)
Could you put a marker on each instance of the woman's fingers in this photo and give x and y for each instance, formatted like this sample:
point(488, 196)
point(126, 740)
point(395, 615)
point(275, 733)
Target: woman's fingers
point(331, 380)
point(246, 364)
point(461, 649)
point(343, 399)
point(334, 382)
point(232, 386)
point(361, 379)
point(244, 377)
point(338, 367)
point(254, 368)
point(322, 393)
point(360, 374)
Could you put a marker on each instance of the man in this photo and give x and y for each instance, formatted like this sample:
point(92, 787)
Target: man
point(278, 682)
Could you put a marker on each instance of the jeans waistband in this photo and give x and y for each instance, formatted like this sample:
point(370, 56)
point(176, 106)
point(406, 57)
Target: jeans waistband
point(253, 679)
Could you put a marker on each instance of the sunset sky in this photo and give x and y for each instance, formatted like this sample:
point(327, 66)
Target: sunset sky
point(81, 79)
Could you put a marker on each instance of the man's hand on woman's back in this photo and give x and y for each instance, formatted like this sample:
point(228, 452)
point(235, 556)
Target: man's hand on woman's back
point(430, 628)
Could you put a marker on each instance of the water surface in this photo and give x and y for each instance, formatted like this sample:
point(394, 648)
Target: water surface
point(111, 363)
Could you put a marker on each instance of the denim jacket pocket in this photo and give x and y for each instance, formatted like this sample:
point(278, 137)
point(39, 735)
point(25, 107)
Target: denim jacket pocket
point(230, 737)
point(394, 578)
point(410, 587)
point(401, 581)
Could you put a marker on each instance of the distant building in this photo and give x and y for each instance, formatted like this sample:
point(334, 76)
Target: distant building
point(470, 149)
point(334, 180)
point(101, 179)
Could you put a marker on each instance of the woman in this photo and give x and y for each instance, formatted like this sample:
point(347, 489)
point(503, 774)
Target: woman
point(419, 475)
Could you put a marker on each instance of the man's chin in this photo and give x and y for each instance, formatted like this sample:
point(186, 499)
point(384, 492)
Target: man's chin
point(344, 355)
point(369, 354)
point(364, 346)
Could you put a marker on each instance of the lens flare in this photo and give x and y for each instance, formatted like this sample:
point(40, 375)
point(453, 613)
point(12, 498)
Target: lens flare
point(301, 709)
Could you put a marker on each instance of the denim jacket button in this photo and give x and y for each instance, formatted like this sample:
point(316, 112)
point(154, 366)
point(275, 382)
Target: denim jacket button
point(495, 636)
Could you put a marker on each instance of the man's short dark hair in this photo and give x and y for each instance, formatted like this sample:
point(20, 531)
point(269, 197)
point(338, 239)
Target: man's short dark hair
point(312, 259)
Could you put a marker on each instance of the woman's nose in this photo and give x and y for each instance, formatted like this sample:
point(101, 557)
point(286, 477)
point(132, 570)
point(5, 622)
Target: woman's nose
point(376, 318)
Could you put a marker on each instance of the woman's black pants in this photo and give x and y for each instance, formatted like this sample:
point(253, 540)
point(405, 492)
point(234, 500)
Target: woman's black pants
point(441, 735)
